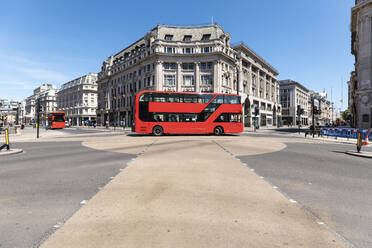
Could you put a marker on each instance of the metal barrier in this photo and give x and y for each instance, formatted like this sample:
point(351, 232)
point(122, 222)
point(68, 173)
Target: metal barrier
point(350, 133)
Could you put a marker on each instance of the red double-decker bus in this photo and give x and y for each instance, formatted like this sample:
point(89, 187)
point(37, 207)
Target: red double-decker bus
point(56, 120)
point(182, 112)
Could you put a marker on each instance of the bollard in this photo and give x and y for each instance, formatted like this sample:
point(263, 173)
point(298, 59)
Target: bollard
point(7, 139)
point(359, 142)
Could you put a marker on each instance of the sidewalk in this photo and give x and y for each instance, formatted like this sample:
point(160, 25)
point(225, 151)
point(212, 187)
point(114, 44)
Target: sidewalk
point(29, 133)
point(172, 199)
point(104, 129)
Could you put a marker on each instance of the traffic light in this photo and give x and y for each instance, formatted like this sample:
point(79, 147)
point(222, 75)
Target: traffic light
point(315, 110)
point(256, 111)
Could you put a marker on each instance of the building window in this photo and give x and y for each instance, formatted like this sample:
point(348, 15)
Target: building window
point(187, 38)
point(169, 66)
point(206, 49)
point(206, 37)
point(168, 37)
point(188, 66)
point(365, 118)
point(170, 49)
point(169, 80)
point(187, 50)
point(206, 66)
point(188, 80)
point(206, 79)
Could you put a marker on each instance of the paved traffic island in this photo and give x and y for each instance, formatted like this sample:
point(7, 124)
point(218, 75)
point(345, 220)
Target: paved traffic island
point(192, 192)
point(363, 154)
point(5, 152)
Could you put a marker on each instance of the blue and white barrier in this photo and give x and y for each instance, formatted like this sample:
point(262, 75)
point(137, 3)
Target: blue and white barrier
point(351, 133)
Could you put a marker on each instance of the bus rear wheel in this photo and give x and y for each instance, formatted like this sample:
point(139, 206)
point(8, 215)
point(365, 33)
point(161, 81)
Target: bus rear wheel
point(157, 131)
point(218, 131)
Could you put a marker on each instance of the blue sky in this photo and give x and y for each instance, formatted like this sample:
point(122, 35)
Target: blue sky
point(57, 41)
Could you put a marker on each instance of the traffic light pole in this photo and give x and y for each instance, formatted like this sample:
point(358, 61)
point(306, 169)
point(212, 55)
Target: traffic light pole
point(17, 116)
point(313, 116)
point(38, 118)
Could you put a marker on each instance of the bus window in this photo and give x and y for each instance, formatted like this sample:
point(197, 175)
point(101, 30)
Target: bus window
point(188, 117)
point(207, 98)
point(172, 117)
point(189, 98)
point(173, 98)
point(159, 117)
point(218, 99)
point(222, 118)
point(159, 97)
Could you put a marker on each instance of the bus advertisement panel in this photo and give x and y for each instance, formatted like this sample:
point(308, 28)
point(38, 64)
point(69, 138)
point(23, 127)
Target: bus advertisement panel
point(56, 120)
point(182, 112)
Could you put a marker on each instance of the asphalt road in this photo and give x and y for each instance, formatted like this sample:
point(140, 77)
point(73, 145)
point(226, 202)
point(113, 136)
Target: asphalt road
point(44, 186)
point(331, 185)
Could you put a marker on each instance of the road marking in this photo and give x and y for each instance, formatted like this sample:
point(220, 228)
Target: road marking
point(83, 202)
point(320, 223)
point(275, 187)
point(112, 177)
point(261, 177)
point(252, 169)
point(293, 201)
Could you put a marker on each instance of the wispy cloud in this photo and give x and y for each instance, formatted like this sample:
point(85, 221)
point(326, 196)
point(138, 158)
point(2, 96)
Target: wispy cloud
point(43, 74)
point(20, 75)
point(27, 68)
point(19, 85)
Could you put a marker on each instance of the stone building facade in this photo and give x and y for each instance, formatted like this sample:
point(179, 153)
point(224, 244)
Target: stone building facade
point(193, 59)
point(360, 84)
point(29, 114)
point(258, 87)
point(294, 96)
point(78, 99)
point(327, 115)
point(46, 96)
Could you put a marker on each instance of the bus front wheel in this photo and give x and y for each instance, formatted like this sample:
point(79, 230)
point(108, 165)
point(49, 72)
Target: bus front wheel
point(157, 131)
point(218, 131)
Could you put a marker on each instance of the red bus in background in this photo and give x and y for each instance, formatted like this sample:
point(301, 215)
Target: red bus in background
point(56, 120)
point(183, 112)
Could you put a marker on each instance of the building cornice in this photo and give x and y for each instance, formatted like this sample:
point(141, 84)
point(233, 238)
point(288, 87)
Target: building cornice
point(354, 13)
point(256, 56)
point(291, 82)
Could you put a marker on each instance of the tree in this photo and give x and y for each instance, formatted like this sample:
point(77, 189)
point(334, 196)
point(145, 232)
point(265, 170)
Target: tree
point(345, 114)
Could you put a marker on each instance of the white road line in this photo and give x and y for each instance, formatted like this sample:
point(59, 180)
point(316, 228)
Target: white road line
point(293, 201)
point(83, 202)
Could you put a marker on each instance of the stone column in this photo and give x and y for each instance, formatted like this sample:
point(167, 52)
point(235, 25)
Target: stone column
point(158, 84)
point(217, 77)
point(197, 76)
point(364, 71)
point(179, 76)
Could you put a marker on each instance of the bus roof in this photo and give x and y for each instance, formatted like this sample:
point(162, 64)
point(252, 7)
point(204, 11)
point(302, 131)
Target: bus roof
point(57, 112)
point(183, 92)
